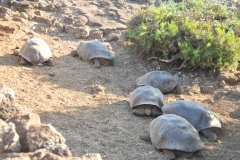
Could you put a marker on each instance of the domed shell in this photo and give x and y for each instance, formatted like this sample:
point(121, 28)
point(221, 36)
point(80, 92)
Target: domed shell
point(174, 133)
point(146, 95)
point(196, 114)
point(94, 49)
point(162, 80)
point(35, 51)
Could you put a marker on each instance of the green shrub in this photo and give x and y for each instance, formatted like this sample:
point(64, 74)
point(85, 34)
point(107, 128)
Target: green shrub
point(203, 34)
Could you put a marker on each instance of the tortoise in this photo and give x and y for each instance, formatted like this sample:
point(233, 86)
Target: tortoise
point(162, 80)
point(203, 119)
point(173, 135)
point(94, 51)
point(34, 51)
point(146, 100)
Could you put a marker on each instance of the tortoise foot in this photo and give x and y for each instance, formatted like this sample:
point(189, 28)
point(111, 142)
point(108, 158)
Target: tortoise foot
point(49, 62)
point(22, 61)
point(170, 154)
point(209, 135)
point(96, 63)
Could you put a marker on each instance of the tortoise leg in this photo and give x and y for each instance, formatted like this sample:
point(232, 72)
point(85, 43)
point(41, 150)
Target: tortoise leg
point(106, 62)
point(156, 112)
point(49, 62)
point(96, 63)
point(199, 153)
point(178, 89)
point(139, 112)
point(74, 53)
point(187, 154)
point(22, 61)
point(145, 136)
point(170, 154)
point(209, 134)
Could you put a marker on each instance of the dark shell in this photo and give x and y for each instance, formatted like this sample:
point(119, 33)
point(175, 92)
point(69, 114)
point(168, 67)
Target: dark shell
point(174, 133)
point(162, 80)
point(146, 95)
point(35, 50)
point(196, 114)
point(94, 49)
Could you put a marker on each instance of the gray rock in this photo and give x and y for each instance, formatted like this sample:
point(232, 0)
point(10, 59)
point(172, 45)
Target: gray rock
point(70, 29)
point(43, 136)
point(96, 33)
point(82, 32)
point(22, 124)
point(40, 19)
point(9, 139)
point(61, 150)
point(94, 21)
point(69, 20)
point(8, 106)
point(5, 10)
point(81, 21)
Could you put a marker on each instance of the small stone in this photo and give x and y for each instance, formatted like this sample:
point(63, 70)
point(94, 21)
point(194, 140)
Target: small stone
point(51, 74)
point(223, 83)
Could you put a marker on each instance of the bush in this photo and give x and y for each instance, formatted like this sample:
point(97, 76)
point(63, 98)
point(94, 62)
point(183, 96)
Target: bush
point(204, 34)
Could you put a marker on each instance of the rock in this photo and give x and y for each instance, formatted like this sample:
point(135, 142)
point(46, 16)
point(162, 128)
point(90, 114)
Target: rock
point(96, 33)
point(94, 21)
point(228, 77)
point(39, 13)
point(208, 89)
point(82, 32)
point(223, 83)
point(24, 15)
point(41, 154)
point(69, 19)
point(9, 139)
point(40, 19)
point(5, 10)
point(43, 136)
point(61, 150)
point(7, 103)
point(82, 20)
point(51, 8)
point(22, 124)
point(23, 5)
point(3, 123)
point(70, 29)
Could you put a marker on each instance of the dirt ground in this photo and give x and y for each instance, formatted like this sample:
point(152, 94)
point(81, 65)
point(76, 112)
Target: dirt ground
point(102, 122)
